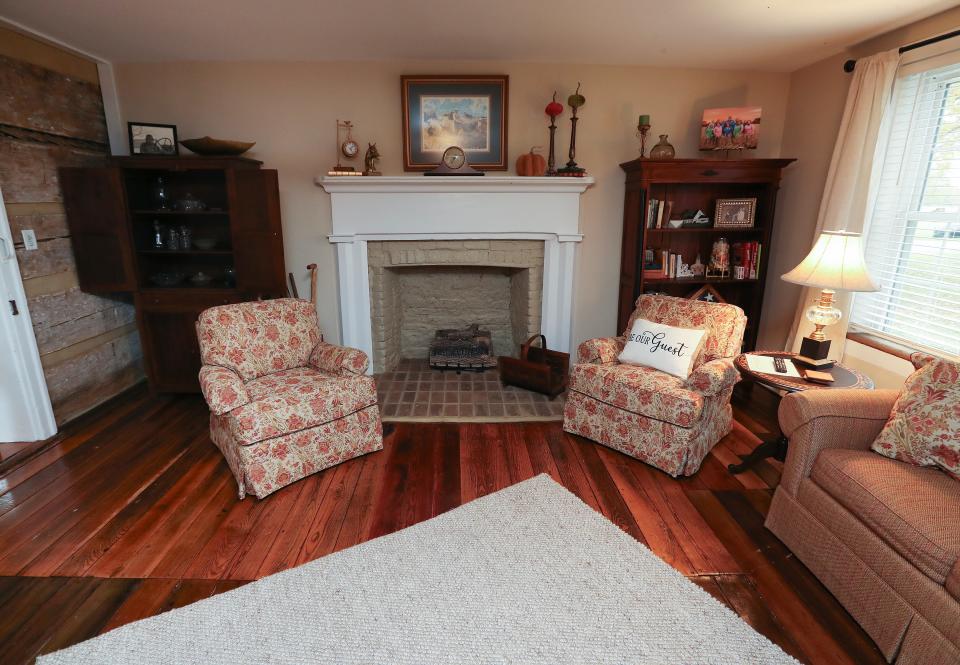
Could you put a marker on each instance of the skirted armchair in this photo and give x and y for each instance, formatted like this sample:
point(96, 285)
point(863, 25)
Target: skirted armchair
point(665, 421)
point(283, 403)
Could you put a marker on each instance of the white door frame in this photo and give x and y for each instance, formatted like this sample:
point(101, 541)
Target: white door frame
point(38, 422)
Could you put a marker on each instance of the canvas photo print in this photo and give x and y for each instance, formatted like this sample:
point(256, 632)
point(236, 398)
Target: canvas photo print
point(730, 128)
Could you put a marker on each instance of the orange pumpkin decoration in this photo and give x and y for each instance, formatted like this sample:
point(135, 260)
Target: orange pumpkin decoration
point(531, 163)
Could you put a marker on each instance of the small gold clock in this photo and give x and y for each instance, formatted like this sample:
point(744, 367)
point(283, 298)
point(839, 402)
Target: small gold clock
point(454, 157)
point(454, 162)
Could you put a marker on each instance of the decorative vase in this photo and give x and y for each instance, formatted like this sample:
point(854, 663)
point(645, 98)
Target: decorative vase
point(663, 149)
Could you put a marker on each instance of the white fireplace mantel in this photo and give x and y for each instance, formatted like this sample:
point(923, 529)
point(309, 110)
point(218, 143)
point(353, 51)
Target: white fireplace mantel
point(454, 208)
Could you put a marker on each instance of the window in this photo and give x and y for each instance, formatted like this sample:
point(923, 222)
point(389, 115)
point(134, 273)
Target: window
point(912, 244)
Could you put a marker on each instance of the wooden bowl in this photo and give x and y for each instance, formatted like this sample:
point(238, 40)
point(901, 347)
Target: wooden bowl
point(211, 146)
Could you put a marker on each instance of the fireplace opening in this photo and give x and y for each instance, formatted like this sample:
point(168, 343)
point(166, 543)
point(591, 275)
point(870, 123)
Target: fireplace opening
point(418, 288)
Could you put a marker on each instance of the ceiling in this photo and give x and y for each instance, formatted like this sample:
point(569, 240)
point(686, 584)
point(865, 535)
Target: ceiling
point(770, 35)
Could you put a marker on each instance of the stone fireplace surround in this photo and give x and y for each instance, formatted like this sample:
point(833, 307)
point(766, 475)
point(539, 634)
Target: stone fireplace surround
point(489, 209)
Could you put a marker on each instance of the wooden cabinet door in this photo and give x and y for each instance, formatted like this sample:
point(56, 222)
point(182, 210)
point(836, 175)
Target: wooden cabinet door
point(99, 229)
point(254, 199)
point(168, 334)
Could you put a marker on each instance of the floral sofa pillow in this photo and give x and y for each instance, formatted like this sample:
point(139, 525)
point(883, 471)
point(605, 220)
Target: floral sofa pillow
point(924, 425)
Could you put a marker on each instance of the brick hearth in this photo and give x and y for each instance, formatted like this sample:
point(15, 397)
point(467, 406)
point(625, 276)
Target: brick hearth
point(414, 391)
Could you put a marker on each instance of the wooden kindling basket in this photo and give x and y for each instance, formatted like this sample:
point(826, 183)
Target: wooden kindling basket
point(538, 368)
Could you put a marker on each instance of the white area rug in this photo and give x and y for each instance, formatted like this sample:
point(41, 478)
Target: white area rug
point(529, 574)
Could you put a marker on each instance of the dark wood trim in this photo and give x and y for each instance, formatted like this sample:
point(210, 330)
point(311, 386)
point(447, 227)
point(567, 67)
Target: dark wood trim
point(882, 344)
point(184, 162)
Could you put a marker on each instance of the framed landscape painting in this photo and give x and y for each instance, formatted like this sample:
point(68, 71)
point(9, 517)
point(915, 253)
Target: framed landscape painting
point(465, 111)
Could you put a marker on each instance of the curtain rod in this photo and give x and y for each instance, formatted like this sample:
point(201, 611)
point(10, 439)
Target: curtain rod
point(849, 65)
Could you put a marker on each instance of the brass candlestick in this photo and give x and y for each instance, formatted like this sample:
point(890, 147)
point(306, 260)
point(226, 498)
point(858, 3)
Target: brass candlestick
point(642, 133)
point(551, 161)
point(554, 109)
point(574, 101)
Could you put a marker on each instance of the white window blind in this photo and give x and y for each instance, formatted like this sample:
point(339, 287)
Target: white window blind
point(912, 243)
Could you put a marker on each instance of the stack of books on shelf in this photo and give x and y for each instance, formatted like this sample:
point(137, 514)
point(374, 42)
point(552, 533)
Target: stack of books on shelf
point(666, 265)
point(747, 256)
point(658, 213)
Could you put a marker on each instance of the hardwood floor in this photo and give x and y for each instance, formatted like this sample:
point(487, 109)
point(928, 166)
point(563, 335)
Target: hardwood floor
point(133, 512)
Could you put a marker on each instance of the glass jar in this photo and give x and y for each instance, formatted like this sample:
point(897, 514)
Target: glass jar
point(720, 259)
point(186, 237)
point(663, 149)
point(173, 239)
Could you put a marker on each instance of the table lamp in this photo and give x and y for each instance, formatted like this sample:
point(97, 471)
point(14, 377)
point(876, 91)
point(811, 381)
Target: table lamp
point(834, 264)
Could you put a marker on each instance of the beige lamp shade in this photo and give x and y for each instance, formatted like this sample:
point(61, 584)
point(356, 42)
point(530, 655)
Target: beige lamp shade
point(835, 262)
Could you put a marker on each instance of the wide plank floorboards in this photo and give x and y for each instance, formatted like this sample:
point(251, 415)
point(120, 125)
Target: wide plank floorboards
point(131, 511)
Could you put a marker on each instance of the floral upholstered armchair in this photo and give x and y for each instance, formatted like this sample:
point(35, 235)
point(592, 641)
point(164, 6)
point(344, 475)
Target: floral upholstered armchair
point(665, 421)
point(283, 403)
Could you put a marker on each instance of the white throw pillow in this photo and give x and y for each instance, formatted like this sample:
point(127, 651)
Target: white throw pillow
point(666, 348)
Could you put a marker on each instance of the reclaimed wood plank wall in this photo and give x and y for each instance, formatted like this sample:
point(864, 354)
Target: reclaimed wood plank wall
point(52, 116)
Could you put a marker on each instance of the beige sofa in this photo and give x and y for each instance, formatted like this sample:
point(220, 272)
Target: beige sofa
point(882, 535)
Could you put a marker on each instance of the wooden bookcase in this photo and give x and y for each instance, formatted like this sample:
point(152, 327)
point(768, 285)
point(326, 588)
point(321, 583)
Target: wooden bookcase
point(696, 184)
point(112, 212)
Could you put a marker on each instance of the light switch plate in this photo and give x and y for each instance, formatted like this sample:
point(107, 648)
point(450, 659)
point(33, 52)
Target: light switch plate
point(29, 239)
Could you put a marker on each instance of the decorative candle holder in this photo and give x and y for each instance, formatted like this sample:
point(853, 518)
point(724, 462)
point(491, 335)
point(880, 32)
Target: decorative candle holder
point(575, 101)
point(553, 110)
point(642, 133)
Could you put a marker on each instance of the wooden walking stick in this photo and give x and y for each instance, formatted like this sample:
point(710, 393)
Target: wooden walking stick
point(313, 282)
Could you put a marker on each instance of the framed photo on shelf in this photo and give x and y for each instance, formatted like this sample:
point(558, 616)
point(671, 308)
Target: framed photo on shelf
point(147, 138)
point(706, 293)
point(735, 213)
point(465, 111)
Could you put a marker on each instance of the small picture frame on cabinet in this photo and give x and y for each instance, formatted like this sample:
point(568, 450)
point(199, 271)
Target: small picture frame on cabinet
point(147, 138)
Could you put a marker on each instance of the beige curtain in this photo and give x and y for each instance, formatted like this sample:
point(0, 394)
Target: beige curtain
point(847, 194)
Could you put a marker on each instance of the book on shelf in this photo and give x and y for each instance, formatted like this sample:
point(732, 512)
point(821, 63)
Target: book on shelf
point(746, 255)
point(658, 213)
point(664, 219)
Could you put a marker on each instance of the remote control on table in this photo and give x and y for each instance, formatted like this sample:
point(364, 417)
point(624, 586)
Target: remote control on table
point(780, 365)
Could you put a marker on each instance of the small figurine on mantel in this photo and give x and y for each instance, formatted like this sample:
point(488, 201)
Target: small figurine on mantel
point(370, 160)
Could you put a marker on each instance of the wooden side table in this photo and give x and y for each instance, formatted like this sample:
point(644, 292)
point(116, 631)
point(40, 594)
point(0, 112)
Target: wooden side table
point(843, 377)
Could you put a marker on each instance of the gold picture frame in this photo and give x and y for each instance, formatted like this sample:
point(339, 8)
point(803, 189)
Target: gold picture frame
point(735, 213)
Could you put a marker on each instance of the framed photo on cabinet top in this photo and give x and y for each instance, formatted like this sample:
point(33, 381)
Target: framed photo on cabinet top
point(147, 138)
